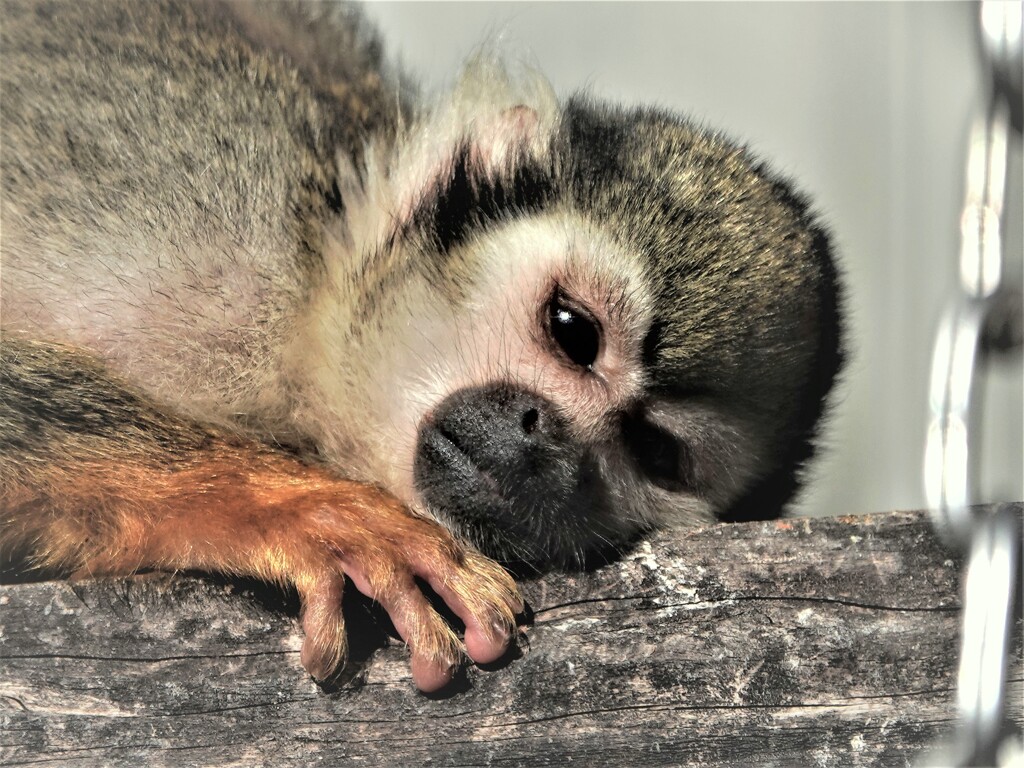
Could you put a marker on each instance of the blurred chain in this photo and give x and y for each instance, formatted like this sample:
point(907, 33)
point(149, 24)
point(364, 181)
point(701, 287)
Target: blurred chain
point(984, 319)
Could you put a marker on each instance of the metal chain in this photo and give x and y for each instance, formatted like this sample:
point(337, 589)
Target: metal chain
point(973, 328)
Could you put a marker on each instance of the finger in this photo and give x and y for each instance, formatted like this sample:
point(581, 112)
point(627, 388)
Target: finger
point(430, 675)
point(485, 598)
point(324, 646)
point(436, 651)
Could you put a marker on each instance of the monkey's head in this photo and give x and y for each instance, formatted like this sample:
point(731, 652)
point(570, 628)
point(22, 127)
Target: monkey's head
point(577, 321)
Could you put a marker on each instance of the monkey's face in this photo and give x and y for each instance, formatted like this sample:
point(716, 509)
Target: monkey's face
point(525, 454)
point(612, 322)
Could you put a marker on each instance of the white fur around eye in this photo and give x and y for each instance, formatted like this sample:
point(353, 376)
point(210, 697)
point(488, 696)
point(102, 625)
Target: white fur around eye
point(519, 267)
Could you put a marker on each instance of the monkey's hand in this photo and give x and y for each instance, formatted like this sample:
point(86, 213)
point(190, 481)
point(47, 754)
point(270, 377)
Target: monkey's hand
point(367, 536)
point(238, 510)
point(102, 481)
point(313, 531)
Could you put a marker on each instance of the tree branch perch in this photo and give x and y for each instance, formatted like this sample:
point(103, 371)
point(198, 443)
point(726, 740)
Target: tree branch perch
point(828, 642)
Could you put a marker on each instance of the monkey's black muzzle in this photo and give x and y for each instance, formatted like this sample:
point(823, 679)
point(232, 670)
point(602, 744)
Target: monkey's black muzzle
point(501, 464)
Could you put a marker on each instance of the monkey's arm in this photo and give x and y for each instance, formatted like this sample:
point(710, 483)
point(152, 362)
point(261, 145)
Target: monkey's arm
point(95, 479)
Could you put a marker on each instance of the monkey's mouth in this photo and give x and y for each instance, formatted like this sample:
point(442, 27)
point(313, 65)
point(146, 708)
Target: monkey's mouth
point(499, 464)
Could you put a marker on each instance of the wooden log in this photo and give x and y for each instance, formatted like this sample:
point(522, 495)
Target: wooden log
point(821, 642)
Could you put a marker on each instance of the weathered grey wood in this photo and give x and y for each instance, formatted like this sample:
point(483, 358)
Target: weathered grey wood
point(828, 642)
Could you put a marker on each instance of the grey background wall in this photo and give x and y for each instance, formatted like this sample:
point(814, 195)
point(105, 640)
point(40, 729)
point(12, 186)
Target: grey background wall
point(868, 106)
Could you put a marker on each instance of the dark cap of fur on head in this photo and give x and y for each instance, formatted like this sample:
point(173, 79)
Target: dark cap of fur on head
point(749, 298)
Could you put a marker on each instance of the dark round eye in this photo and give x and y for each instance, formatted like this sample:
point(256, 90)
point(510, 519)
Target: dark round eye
point(575, 332)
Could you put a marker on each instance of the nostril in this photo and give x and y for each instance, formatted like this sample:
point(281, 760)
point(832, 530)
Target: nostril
point(530, 421)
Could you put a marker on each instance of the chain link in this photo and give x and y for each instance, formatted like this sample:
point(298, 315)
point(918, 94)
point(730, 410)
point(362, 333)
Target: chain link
point(972, 329)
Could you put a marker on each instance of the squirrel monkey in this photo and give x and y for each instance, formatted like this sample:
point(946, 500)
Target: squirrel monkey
point(265, 314)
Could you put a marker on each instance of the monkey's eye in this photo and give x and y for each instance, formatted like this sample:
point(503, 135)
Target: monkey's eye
point(574, 330)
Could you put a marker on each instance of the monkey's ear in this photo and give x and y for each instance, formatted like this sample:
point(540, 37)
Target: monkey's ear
point(498, 142)
point(493, 128)
point(501, 105)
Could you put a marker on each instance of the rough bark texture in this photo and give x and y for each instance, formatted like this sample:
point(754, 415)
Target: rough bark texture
point(827, 642)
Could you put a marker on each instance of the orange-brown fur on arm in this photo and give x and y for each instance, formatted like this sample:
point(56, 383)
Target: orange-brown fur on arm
point(95, 479)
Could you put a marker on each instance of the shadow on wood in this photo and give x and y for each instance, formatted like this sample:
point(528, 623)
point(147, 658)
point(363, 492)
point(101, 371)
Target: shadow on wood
point(826, 642)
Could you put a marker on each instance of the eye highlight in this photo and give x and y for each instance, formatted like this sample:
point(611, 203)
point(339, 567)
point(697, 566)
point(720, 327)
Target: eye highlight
point(573, 330)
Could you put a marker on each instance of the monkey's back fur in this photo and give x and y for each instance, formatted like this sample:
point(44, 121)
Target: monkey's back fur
point(263, 312)
point(185, 192)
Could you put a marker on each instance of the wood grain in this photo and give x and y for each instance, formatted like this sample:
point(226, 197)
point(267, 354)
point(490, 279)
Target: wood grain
point(824, 642)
